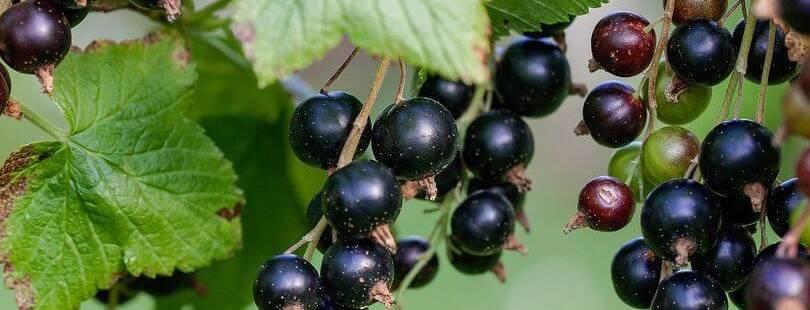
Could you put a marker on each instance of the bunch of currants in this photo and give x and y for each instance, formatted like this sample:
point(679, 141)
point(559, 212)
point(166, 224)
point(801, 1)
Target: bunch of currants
point(701, 201)
point(419, 152)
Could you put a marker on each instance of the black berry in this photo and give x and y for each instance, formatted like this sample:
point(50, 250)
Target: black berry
point(635, 272)
point(730, 260)
point(701, 52)
point(797, 14)
point(483, 224)
point(499, 145)
point(287, 281)
point(507, 190)
point(689, 290)
point(474, 264)
point(358, 273)
point(409, 251)
point(782, 68)
point(613, 114)
point(453, 95)
point(782, 201)
point(779, 283)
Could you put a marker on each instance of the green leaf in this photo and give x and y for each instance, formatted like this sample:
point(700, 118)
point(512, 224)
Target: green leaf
point(445, 36)
point(252, 132)
point(135, 187)
point(529, 15)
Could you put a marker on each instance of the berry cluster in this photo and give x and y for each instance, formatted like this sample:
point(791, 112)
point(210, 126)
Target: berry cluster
point(35, 35)
point(701, 201)
point(419, 152)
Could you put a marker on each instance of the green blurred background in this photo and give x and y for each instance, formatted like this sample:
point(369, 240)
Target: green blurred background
point(560, 272)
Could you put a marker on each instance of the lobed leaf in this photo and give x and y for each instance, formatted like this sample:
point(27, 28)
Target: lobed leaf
point(529, 15)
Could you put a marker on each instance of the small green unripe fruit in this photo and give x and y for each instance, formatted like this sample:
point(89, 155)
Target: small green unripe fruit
point(691, 102)
point(621, 166)
point(667, 154)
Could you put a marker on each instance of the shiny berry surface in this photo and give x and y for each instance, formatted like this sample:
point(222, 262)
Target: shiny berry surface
point(779, 283)
point(496, 142)
point(453, 95)
point(620, 45)
point(796, 13)
point(286, 281)
point(668, 153)
point(689, 290)
point(482, 223)
point(33, 34)
point(355, 271)
point(730, 260)
point(783, 200)
point(607, 204)
point(614, 114)
point(701, 52)
point(782, 68)
point(635, 272)
point(409, 251)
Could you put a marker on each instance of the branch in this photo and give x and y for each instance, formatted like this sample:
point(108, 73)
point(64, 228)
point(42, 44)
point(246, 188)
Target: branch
point(339, 71)
point(652, 72)
point(347, 154)
point(403, 75)
point(766, 73)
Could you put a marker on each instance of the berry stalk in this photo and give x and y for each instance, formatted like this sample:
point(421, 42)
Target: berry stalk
point(766, 72)
point(41, 122)
point(403, 76)
point(652, 72)
point(339, 71)
point(742, 64)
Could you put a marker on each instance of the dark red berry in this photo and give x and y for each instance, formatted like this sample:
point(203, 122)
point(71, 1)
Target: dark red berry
point(358, 273)
point(483, 224)
point(779, 283)
point(701, 52)
point(498, 146)
point(605, 204)
point(730, 260)
point(34, 38)
point(620, 45)
point(689, 290)
point(532, 78)
point(287, 281)
point(613, 114)
point(409, 251)
point(320, 126)
point(782, 68)
point(453, 95)
point(688, 10)
point(635, 272)
point(782, 201)
point(680, 219)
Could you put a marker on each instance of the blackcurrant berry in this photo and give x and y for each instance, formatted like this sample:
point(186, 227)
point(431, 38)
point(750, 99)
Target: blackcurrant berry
point(548, 30)
point(499, 145)
point(76, 15)
point(782, 68)
point(770, 252)
point(689, 103)
point(507, 190)
point(623, 163)
point(532, 78)
point(170, 8)
point(605, 204)
point(803, 172)
point(797, 14)
point(409, 251)
point(417, 139)
point(362, 198)
point(474, 264)
point(701, 52)
point(782, 201)
point(680, 219)
point(668, 153)
point(731, 259)
point(314, 214)
point(737, 158)
point(358, 273)
point(688, 10)
point(285, 282)
point(635, 272)
point(446, 181)
point(34, 38)
point(453, 95)
point(689, 290)
point(779, 283)
point(483, 224)
point(621, 45)
point(320, 126)
point(613, 114)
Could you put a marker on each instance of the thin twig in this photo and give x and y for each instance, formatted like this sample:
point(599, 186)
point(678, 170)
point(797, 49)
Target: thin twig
point(740, 101)
point(339, 71)
point(41, 122)
point(652, 72)
point(347, 154)
point(740, 67)
point(730, 11)
point(766, 73)
point(403, 76)
point(315, 236)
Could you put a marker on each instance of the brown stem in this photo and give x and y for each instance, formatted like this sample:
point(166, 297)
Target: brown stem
point(766, 73)
point(781, 135)
point(593, 66)
point(360, 122)
point(499, 271)
point(578, 89)
point(512, 244)
point(517, 176)
point(756, 193)
point(652, 72)
point(729, 12)
point(428, 186)
point(575, 222)
point(684, 248)
point(314, 235)
point(790, 243)
point(382, 235)
point(738, 106)
point(581, 129)
point(521, 218)
point(336, 75)
point(382, 294)
point(403, 76)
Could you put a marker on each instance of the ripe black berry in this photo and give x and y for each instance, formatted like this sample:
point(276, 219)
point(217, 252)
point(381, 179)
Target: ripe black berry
point(782, 201)
point(34, 38)
point(474, 264)
point(76, 15)
point(320, 125)
point(417, 139)
point(314, 214)
point(779, 283)
point(171, 8)
point(499, 145)
point(701, 52)
point(453, 95)
point(358, 273)
point(797, 14)
point(687, 10)
point(689, 290)
point(668, 153)
point(287, 281)
point(613, 114)
point(620, 44)
point(730, 260)
point(507, 190)
point(409, 251)
point(362, 198)
point(605, 204)
point(635, 272)
point(770, 252)
point(483, 224)
point(782, 68)
point(738, 158)
point(680, 219)
point(533, 77)
point(548, 30)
